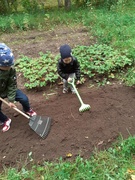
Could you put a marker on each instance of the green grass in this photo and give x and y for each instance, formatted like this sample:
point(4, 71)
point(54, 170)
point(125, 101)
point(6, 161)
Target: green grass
point(115, 163)
point(115, 28)
point(47, 19)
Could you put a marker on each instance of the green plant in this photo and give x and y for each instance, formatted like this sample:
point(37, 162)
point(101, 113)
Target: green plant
point(13, 174)
point(38, 72)
point(129, 77)
point(101, 62)
point(98, 62)
point(127, 147)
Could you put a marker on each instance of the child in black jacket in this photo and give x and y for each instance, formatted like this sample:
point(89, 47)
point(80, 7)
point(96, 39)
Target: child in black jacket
point(68, 68)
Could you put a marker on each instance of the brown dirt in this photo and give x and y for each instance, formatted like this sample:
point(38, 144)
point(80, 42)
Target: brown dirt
point(112, 108)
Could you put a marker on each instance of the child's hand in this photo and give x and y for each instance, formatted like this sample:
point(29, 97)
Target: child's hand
point(78, 82)
point(69, 80)
point(12, 105)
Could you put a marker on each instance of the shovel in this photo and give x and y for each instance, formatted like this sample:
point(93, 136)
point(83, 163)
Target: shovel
point(41, 125)
point(84, 107)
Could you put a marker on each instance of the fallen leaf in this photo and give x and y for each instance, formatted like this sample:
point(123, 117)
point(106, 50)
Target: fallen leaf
point(101, 142)
point(130, 171)
point(60, 83)
point(69, 155)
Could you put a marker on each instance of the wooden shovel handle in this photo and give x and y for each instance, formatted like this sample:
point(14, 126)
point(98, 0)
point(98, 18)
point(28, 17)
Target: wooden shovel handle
point(16, 109)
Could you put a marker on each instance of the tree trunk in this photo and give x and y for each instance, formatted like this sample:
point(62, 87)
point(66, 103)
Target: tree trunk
point(6, 4)
point(67, 4)
point(60, 3)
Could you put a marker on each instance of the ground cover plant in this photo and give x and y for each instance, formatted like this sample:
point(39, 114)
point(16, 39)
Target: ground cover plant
point(98, 62)
point(43, 68)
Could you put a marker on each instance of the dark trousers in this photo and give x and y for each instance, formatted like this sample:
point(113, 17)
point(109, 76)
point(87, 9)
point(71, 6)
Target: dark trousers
point(22, 99)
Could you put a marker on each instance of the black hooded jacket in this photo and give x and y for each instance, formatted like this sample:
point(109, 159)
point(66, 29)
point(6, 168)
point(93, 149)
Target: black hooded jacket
point(65, 69)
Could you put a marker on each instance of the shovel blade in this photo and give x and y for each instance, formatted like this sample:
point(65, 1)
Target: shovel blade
point(41, 125)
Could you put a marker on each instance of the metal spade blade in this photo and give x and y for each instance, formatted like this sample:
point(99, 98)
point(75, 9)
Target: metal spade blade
point(41, 125)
